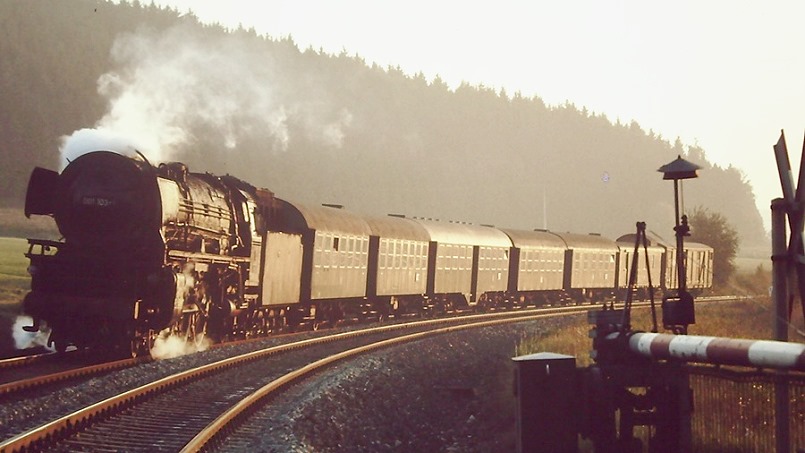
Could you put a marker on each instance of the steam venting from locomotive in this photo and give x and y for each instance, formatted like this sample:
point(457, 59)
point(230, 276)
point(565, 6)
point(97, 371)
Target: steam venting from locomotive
point(87, 140)
point(24, 339)
point(171, 346)
point(172, 89)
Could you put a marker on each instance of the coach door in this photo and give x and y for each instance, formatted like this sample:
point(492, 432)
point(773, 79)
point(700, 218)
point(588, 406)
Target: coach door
point(282, 269)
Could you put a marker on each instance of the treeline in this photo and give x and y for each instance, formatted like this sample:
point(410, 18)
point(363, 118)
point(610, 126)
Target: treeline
point(315, 127)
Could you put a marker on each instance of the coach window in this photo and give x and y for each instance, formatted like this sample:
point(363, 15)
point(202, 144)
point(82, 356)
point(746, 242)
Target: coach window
point(467, 257)
point(352, 257)
point(318, 244)
point(403, 254)
point(423, 259)
point(324, 254)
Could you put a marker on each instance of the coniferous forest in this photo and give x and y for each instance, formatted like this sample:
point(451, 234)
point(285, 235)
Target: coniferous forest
point(320, 128)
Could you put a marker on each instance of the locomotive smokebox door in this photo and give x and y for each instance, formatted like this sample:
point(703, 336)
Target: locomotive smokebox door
point(41, 192)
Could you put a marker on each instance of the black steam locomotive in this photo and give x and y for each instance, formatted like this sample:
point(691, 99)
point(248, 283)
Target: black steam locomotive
point(149, 249)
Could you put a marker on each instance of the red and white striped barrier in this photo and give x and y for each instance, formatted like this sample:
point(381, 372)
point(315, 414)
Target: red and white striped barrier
point(722, 351)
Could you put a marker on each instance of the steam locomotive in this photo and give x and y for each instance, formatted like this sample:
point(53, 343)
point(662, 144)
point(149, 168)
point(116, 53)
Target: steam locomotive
point(149, 249)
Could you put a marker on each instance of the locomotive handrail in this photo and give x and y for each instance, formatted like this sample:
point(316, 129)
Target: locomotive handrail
point(208, 257)
point(195, 227)
point(44, 242)
point(45, 245)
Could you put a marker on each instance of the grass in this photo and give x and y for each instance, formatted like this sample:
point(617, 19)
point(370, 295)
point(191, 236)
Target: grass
point(13, 223)
point(14, 278)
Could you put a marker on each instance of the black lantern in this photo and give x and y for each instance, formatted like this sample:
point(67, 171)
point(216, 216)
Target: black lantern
point(678, 311)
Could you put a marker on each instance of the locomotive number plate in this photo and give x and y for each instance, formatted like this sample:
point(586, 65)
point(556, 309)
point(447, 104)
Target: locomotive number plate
point(97, 201)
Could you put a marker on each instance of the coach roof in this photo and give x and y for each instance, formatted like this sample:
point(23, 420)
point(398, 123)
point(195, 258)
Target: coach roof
point(537, 238)
point(588, 241)
point(395, 227)
point(298, 217)
point(464, 234)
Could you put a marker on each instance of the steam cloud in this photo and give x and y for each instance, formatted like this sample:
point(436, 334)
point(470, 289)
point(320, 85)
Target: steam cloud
point(168, 346)
point(172, 86)
point(25, 340)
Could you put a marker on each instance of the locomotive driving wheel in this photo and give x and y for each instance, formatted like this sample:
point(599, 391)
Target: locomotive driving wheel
point(142, 343)
point(193, 327)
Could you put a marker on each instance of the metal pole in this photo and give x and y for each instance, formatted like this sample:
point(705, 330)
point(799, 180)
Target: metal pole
point(680, 254)
point(780, 264)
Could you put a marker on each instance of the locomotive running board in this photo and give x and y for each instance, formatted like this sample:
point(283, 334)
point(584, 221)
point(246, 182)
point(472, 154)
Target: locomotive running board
point(207, 257)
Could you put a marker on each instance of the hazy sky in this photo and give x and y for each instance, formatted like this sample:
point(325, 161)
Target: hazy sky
point(726, 75)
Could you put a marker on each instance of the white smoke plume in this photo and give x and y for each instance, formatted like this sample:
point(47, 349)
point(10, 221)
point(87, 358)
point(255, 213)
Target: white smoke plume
point(168, 346)
point(25, 340)
point(86, 140)
point(169, 86)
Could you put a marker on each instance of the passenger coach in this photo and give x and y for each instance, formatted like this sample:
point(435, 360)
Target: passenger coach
point(590, 266)
point(537, 266)
point(466, 262)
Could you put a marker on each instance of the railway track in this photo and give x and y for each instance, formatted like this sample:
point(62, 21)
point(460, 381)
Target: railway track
point(173, 409)
point(170, 411)
point(56, 370)
point(31, 372)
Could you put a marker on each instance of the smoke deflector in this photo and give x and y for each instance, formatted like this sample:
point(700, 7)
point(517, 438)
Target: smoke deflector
point(41, 192)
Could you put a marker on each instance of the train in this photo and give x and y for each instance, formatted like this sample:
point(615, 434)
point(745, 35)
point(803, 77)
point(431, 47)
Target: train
point(148, 249)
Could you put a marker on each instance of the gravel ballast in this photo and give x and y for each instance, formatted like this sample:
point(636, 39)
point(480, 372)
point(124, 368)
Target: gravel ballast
point(450, 393)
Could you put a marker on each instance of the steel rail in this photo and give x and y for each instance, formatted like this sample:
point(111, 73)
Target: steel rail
point(222, 425)
point(13, 362)
point(40, 381)
point(34, 439)
point(48, 379)
point(213, 431)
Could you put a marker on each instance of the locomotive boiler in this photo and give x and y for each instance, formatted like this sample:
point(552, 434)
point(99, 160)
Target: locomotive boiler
point(144, 248)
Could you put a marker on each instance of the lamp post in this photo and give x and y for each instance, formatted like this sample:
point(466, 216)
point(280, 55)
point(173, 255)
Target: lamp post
point(678, 313)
